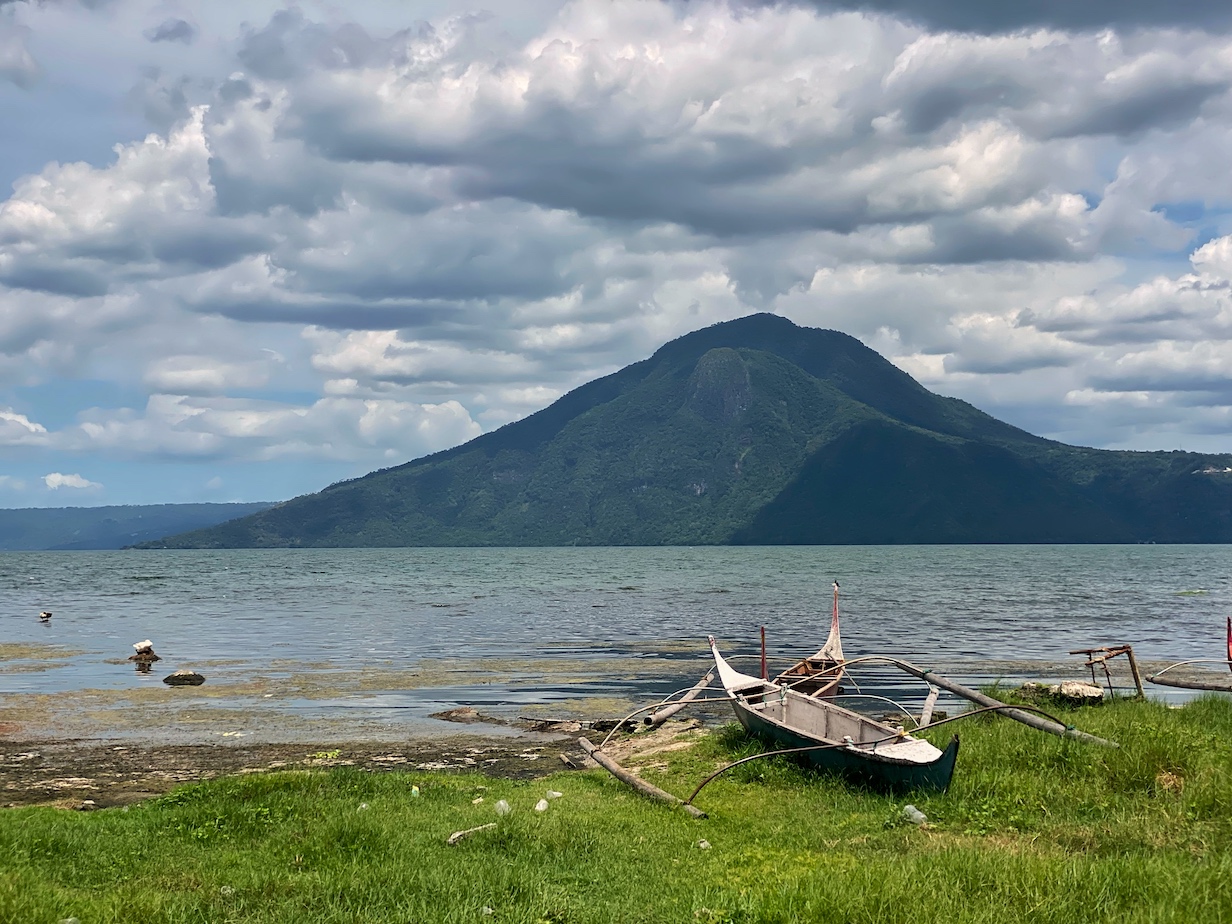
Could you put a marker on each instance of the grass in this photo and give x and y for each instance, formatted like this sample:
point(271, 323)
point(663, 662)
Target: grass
point(1033, 829)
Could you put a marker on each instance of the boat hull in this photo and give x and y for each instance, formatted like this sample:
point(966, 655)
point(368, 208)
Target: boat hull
point(869, 769)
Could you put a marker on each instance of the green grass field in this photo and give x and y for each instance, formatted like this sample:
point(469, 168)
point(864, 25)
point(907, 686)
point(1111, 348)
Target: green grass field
point(1033, 829)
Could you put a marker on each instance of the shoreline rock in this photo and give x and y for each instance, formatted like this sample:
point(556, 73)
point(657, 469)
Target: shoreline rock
point(184, 678)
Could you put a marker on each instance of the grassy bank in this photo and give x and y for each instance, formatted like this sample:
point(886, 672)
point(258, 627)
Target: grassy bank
point(1033, 829)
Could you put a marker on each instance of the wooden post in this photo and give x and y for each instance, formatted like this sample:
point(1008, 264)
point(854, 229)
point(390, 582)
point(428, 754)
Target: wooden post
point(637, 783)
point(930, 703)
point(1133, 669)
point(764, 675)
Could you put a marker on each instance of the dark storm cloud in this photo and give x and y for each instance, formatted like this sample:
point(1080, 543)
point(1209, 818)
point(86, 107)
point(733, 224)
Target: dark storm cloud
point(931, 107)
point(1167, 380)
point(970, 240)
point(290, 45)
point(334, 313)
point(996, 16)
point(56, 279)
point(172, 30)
point(463, 276)
point(299, 186)
point(191, 247)
point(1151, 107)
point(562, 162)
point(163, 99)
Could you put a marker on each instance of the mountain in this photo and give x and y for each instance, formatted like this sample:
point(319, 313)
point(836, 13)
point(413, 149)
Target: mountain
point(761, 432)
point(38, 528)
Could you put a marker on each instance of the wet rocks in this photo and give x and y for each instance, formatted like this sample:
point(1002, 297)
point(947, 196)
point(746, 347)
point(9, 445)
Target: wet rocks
point(184, 678)
point(1079, 693)
point(144, 652)
point(463, 714)
point(1070, 692)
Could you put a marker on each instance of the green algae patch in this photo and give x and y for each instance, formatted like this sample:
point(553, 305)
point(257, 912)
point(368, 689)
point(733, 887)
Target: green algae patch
point(14, 651)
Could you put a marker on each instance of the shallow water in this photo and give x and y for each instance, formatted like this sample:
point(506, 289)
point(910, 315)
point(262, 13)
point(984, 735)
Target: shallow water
point(401, 633)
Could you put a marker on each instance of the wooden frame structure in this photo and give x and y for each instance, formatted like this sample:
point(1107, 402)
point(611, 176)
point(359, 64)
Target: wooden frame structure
point(1101, 656)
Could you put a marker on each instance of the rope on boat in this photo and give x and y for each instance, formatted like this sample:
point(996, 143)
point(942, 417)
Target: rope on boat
point(885, 699)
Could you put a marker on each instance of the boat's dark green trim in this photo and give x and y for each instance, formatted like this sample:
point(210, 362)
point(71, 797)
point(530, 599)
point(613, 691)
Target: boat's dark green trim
point(867, 767)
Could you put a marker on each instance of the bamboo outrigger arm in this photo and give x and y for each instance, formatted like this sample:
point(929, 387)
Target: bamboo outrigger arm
point(1191, 684)
point(648, 789)
point(975, 696)
point(661, 715)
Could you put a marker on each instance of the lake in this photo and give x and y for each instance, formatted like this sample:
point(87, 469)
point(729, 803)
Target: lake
point(383, 638)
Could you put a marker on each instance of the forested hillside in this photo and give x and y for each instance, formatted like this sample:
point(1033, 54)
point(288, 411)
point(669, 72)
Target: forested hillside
point(33, 528)
point(756, 431)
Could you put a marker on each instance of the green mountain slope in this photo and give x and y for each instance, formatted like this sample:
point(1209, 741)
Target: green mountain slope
point(756, 431)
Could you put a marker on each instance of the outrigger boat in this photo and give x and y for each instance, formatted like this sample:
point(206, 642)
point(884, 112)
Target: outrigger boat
point(836, 739)
point(820, 674)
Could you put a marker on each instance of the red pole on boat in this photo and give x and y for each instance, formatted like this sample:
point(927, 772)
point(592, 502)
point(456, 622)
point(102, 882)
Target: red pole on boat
point(764, 675)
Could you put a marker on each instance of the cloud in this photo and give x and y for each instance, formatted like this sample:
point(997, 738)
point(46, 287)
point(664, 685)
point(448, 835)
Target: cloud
point(19, 430)
point(172, 30)
point(81, 232)
point(371, 430)
point(362, 243)
point(17, 64)
point(55, 481)
point(979, 16)
point(195, 375)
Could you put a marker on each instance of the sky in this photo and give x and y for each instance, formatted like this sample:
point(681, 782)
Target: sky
point(248, 250)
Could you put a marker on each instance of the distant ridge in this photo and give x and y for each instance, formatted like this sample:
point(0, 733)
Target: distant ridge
point(762, 432)
point(64, 528)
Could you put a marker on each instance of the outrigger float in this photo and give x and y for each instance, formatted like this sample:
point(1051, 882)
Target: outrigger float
point(1186, 683)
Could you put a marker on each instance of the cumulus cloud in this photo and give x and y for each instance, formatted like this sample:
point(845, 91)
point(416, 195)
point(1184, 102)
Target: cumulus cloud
point(1023, 204)
point(371, 430)
point(55, 481)
point(18, 429)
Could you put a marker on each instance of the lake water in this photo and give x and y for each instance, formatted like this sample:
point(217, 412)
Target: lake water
point(398, 634)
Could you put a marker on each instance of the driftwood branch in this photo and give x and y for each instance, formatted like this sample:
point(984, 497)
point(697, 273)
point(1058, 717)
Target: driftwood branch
point(662, 715)
point(459, 835)
point(647, 789)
